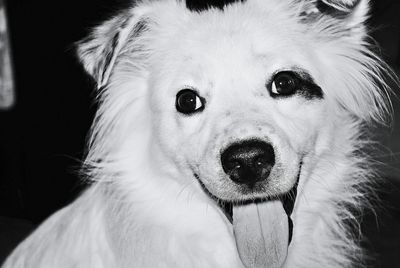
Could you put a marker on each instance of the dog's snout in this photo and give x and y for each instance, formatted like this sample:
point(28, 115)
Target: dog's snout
point(248, 162)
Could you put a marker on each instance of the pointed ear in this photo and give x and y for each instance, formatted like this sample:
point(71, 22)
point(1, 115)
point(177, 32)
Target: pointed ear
point(341, 17)
point(99, 52)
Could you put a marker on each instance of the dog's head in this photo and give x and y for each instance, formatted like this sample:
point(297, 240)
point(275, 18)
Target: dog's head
point(235, 96)
point(243, 98)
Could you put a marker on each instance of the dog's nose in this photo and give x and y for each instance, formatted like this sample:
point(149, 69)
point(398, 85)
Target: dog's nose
point(248, 162)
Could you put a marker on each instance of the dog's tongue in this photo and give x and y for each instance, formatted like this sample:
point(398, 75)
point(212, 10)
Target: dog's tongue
point(262, 234)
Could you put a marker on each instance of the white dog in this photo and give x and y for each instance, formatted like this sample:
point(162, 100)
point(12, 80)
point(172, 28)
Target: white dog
point(226, 136)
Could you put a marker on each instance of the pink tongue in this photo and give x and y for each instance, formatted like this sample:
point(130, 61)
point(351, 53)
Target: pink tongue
point(261, 233)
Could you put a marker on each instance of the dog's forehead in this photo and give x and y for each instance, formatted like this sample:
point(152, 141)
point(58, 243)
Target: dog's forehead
point(240, 30)
point(241, 24)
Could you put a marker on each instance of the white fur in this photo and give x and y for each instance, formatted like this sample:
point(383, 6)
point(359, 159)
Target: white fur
point(145, 208)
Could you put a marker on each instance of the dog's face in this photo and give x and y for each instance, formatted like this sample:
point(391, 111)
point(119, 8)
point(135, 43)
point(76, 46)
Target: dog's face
point(237, 98)
point(241, 105)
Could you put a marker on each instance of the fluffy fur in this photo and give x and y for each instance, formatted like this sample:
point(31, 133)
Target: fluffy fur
point(145, 207)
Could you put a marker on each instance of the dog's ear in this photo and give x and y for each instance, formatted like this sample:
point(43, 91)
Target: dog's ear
point(358, 74)
point(339, 17)
point(99, 52)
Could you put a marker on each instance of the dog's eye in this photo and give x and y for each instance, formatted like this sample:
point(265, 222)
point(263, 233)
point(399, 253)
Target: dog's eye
point(284, 83)
point(188, 101)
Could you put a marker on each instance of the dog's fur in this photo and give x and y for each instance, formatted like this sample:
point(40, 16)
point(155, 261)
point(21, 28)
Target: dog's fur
point(156, 176)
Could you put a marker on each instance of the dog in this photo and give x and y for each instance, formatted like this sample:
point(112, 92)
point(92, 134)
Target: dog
point(228, 134)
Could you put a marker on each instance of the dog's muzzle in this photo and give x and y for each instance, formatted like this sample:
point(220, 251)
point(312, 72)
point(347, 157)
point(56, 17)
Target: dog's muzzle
point(263, 229)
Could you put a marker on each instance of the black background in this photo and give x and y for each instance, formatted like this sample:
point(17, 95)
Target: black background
point(43, 136)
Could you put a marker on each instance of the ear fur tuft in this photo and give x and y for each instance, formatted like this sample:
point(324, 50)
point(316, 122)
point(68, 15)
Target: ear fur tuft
point(346, 13)
point(99, 52)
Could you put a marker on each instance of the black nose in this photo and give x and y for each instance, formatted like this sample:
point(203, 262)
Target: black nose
point(248, 162)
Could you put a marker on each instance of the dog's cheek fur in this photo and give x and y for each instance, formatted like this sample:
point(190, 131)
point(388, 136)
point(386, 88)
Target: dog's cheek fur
point(173, 133)
point(302, 127)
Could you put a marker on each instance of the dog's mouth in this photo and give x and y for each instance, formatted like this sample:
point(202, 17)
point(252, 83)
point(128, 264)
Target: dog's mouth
point(263, 228)
point(287, 200)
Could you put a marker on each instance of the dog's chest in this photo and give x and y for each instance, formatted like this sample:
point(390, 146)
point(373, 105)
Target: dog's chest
point(185, 236)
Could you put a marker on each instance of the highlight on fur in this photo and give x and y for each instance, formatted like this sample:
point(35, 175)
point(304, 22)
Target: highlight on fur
point(145, 207)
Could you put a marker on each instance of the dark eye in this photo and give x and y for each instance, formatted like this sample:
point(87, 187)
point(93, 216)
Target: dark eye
point(284, 83)
point(188, 102)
